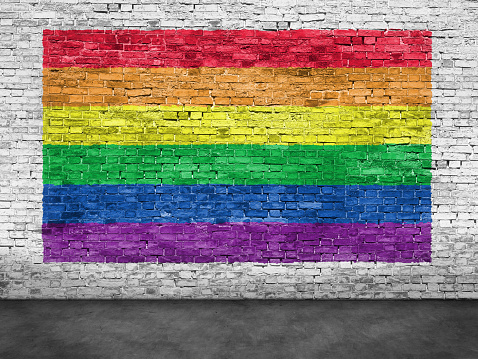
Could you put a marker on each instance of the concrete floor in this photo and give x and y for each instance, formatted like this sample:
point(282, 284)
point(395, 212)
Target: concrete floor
point(238, 329)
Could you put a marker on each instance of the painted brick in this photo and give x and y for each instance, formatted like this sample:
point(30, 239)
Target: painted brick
point(454, 186)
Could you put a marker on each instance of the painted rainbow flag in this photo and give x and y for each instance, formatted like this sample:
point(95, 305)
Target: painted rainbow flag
point(236, 146)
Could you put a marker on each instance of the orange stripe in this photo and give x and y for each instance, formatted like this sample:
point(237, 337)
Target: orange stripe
point(256, 86)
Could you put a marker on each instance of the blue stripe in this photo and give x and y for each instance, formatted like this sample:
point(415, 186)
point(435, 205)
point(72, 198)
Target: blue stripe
point(143, 203)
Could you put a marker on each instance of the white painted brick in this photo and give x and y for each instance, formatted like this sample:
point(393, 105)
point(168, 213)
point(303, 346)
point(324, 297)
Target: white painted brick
point(455, 146)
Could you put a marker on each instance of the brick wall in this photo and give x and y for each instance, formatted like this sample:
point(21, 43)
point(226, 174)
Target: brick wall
point(65, 102)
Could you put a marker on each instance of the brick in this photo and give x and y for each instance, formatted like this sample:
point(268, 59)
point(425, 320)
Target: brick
point(453, 184)
point(271, 91)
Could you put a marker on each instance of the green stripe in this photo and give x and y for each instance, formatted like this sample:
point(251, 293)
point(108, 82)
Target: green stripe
point(238, 164)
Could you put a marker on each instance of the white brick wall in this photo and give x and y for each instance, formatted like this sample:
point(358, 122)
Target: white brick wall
point(453, 272)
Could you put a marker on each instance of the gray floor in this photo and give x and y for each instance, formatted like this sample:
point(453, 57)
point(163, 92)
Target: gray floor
point(238, 329)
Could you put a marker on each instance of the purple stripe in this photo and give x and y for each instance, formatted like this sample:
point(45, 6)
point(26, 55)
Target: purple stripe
point(236, 242)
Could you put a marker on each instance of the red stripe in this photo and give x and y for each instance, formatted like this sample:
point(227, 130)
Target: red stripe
point(236, 48)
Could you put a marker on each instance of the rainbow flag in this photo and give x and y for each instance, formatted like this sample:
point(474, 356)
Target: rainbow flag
point(191, 146)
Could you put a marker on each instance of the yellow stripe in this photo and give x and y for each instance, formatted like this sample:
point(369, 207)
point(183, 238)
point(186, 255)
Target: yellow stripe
point(283, 125)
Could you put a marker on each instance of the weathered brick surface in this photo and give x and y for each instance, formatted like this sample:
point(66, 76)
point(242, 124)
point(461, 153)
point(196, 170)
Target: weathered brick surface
point(452, 272)
point(257, 125)
point(238, 86)
point(237, 48)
